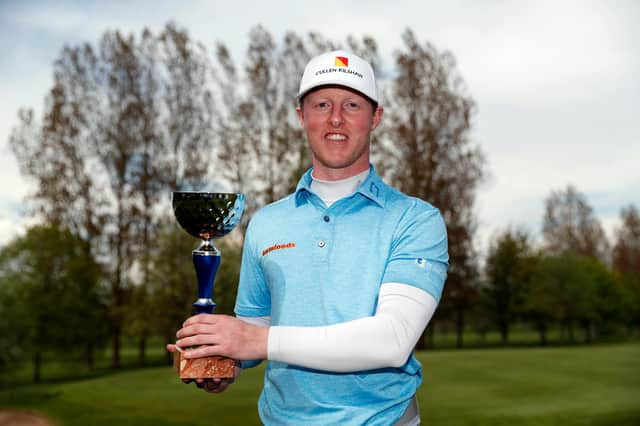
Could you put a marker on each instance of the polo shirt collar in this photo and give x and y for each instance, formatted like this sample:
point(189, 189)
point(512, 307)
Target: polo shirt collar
point(372, 187)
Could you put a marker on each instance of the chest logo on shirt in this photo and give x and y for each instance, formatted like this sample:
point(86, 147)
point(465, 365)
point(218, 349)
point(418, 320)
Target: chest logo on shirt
point(278, 247)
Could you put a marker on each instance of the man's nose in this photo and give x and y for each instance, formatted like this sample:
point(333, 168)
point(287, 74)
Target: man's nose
point(336, 118)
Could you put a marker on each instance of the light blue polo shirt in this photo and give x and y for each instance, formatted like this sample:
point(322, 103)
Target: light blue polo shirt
point(308, 265)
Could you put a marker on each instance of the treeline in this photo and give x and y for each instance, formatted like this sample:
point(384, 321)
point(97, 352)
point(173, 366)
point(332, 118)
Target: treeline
point(130, 119)
point(575, 279)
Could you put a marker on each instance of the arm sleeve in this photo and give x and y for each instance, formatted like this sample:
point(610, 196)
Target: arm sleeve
point(419, 252)
point(385, 339)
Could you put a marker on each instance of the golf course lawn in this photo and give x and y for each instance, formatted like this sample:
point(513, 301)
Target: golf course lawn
point(586, 385)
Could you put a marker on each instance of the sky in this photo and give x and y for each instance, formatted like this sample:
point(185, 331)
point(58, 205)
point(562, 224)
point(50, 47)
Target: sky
point(556, 83)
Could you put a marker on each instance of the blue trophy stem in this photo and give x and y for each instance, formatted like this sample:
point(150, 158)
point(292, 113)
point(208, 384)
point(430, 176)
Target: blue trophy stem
point(206, 264)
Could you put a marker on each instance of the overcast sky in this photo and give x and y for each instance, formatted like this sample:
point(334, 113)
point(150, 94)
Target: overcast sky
point(556, 83)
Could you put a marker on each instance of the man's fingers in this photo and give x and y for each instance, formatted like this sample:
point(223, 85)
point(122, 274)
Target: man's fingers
point(201, 319)
point(194, 341)
point(202, 351)
point(217, 385)
point(212, 385)
point(194, 329)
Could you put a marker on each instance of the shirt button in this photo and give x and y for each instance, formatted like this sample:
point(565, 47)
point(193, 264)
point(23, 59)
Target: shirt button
point(321, 244)
point(326, 218)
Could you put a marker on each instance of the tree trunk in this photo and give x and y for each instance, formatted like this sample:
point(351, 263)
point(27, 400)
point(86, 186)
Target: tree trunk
point(37, 364)
point(504, 333)
point(459, 327)
point(570, 330)
point(142, 347)
point(115, 356)
point(430, 334)
point(588, 335)
point(89, 356)
point(542, 329)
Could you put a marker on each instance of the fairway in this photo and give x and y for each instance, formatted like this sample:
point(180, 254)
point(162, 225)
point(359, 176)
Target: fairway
point(598, 385)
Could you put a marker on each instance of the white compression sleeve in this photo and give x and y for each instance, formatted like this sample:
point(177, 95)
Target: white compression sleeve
point(383, 340)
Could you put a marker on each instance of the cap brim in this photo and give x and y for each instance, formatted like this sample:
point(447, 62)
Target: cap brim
point(333, 83)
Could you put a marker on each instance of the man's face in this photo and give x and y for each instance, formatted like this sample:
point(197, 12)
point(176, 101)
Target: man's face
point(338, 123)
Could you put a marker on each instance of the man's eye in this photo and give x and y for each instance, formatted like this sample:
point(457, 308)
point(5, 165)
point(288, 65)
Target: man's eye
point(352, 105)
point(323, 105)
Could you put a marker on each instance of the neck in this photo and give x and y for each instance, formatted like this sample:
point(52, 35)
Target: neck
point(331, 191)
point(328, 174)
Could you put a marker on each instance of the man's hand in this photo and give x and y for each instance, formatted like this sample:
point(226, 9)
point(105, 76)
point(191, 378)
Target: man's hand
point(221, 335)
point(215, 385)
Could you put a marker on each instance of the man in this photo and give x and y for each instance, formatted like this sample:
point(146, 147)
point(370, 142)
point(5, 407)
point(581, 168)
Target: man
point(339, 279)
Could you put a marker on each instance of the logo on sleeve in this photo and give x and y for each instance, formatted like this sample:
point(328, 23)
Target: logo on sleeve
point(278, 247)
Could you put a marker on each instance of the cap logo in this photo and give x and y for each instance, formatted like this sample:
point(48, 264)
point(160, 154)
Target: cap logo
point(342, 61)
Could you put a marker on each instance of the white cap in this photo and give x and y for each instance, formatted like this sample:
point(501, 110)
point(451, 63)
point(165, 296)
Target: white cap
point(340, 68)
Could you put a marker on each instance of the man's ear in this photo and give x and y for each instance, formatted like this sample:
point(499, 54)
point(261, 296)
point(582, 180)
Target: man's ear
point(377, 117)
point(300, 115)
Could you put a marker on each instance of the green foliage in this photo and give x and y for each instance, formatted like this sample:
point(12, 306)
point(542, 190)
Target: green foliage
point(12, 324)
point(51, 282)
point(509, 267)
point(576, 289)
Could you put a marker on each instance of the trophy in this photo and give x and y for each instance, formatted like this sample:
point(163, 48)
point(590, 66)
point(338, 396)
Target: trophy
point(206, 215)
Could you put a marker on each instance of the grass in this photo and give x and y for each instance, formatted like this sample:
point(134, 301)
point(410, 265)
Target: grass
point(580, 385)
point(594, 385)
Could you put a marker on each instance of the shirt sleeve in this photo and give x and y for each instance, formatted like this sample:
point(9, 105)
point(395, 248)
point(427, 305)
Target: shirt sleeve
point(254, 298)
point(419, 251)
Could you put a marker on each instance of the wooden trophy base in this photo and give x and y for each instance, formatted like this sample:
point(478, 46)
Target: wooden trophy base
point(203, 368)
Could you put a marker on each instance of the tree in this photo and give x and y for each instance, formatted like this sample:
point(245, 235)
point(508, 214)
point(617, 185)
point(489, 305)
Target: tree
point(425, 150)
point(626, 256)
point(611, 302)
point(626, 248)
point(558, 293)
point(125, 123)
point(509, 267)
point(575, 289)
point(569, 224)
point(57, 295)
point(13, 320)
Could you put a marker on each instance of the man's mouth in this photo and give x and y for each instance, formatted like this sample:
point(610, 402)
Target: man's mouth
point(336, 137)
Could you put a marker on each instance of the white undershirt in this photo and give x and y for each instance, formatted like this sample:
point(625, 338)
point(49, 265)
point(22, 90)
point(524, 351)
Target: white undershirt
point(331, 191)
point(385, 339)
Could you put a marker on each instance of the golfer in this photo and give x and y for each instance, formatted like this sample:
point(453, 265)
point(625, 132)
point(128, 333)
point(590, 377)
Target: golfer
point(339, 279)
